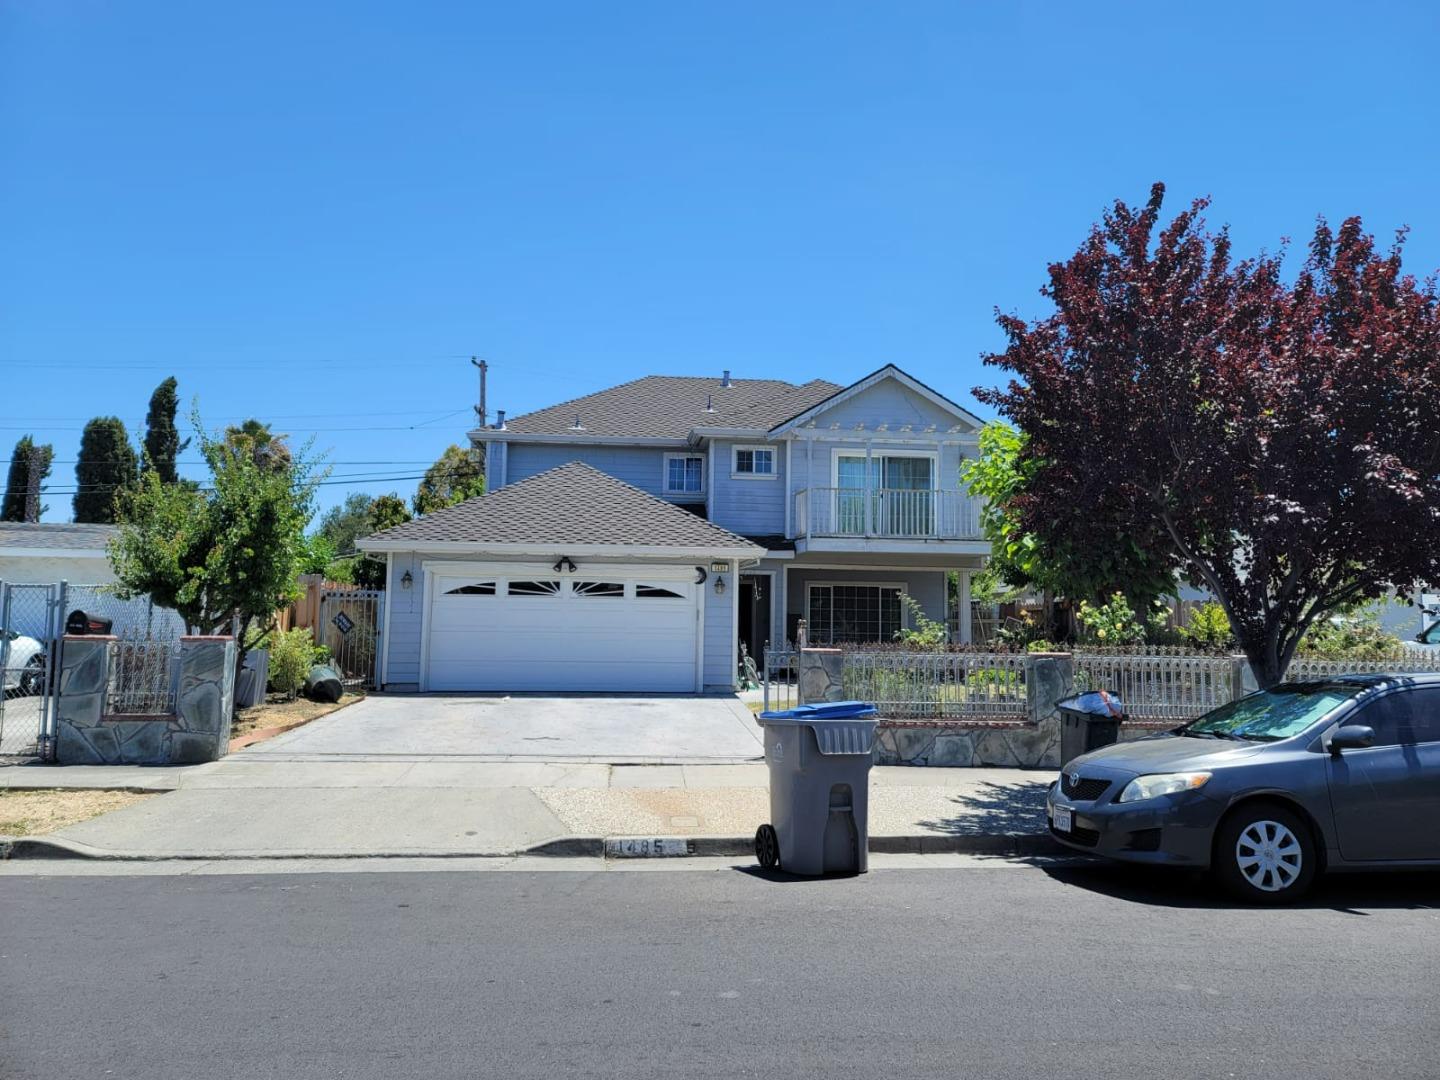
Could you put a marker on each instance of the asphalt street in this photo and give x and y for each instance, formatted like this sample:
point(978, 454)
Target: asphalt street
point(990, 972)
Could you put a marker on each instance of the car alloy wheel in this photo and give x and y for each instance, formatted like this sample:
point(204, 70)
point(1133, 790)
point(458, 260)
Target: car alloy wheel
point(1269, 856)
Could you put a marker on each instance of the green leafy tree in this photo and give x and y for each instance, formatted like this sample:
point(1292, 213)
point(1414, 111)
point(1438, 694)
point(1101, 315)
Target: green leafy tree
point(227, 552)
point(1105, 561)
point(386, 512)
point(456, 476)
point(26, 456)
point(106, 467)
point(162, 439)
point(344, 524)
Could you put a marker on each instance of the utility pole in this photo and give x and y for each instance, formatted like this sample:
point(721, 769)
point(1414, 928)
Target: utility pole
point(483, 366)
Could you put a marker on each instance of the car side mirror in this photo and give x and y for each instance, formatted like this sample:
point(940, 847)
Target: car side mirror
point(1352, 737)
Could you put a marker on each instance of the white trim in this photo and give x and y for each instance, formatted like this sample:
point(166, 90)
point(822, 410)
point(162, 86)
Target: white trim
point(422, 677)
point(869, 453)
point(710, 482)
point(735, 624)
point(736, 474)
point(555, 550)
point(860, 568)
point(889, 371)
point(789, 491)
point(385, 623)
point(506, 570)
point(962, 601)
point(882, 546)
point(686, 455)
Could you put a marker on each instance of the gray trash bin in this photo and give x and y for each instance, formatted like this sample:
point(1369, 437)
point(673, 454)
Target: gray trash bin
point(1088, 722)
point(819, 758)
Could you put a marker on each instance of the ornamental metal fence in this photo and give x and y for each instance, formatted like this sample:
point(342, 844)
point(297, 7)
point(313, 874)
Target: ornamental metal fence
point(948, 685)
point(1168, 686)
point(777, 682)
point(1411, 661)
point(142, 678)
point(349, 624)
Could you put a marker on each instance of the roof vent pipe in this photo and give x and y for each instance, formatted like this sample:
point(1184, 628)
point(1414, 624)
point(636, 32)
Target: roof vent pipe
point(725, 378)
point(500, 419)
point(577, 426)
point(709, 402)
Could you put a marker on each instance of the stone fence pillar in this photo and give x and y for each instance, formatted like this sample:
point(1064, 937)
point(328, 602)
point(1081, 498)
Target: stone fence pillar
point(820, 676)
point(1049, 680)
point(198, 731)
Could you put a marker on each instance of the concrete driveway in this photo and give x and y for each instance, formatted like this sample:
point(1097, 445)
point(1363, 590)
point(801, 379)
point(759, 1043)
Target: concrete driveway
point(649, 729)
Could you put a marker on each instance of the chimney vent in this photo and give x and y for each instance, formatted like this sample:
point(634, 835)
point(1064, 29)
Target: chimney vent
point(500, 419)
point(725, 378)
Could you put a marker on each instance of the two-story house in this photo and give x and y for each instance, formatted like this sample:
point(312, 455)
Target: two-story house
point(634, 539)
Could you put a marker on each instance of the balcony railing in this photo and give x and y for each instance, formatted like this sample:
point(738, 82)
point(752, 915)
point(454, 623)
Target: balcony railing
point(888, 513)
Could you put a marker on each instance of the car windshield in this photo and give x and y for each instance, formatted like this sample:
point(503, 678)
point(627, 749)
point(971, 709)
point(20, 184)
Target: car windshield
point(1277, 713)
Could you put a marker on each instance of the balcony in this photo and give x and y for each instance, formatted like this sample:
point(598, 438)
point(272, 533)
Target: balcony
point(886, 514)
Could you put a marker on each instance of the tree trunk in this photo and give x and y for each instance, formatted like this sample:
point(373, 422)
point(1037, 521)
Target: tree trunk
point(1265, 661)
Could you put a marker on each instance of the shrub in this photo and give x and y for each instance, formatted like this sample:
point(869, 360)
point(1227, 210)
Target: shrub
point(1040, 645)
point(291, 654)
point(1356, 637)
point(1115, 622)
point(1208, 627)
point(926, 633)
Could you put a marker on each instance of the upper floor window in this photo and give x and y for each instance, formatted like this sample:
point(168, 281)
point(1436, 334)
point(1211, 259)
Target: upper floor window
point(753, 461)
point(684, 474)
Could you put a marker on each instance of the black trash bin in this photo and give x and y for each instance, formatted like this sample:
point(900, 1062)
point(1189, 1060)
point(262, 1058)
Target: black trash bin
point(1087, 722)
point(82, 623)
point(819, 758)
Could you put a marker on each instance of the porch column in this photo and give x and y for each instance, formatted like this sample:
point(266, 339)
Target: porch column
point(962, 600)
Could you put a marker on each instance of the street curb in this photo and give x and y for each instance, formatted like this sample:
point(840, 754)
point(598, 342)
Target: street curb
point(590, 847)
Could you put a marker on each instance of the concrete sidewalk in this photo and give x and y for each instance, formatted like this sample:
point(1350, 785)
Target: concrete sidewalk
point(245, 808)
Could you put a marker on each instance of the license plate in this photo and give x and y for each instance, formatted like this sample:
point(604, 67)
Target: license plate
point(1064, 819)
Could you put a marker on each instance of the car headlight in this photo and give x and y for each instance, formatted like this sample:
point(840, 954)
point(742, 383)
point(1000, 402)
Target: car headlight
point(1153, 786)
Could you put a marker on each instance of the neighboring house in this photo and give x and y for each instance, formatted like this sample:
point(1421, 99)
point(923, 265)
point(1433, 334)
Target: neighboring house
point(635, 538)
point(48, 553)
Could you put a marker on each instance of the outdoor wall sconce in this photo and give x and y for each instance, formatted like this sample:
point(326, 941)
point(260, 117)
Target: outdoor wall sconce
point(406, 580)
point(564, 565)
point(720, 585)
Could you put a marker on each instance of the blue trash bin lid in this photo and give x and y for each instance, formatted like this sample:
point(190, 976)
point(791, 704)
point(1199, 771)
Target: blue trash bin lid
point(830, 710)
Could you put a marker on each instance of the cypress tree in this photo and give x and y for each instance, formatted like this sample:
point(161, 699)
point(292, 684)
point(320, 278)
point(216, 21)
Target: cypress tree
point(106, 465)
point(162, 440)
point(17, 482)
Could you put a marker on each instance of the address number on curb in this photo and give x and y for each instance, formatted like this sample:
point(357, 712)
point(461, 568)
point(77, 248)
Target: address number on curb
point(639, 847)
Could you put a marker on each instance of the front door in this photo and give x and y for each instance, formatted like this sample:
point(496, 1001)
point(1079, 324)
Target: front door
point(1386, 798)
point(755, 615)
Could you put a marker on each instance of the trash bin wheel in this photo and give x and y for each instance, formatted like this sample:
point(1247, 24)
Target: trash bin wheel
point(767, 847)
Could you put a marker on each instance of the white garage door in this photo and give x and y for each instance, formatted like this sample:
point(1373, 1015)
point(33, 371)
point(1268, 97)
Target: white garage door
point(617, 628)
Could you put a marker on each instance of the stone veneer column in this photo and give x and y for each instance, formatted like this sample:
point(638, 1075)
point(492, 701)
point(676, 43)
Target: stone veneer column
point(204, 700)
point(1049, 680)
point(84, 673)
point(820, 676)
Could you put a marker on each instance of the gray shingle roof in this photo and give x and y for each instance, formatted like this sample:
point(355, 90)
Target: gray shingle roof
point(570, 504)
point(61, 535)
point(669, 406)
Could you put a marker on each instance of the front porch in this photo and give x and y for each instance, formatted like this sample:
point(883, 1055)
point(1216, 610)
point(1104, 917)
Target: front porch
point(851, 597)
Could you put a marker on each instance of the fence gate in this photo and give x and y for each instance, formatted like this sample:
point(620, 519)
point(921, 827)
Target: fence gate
point(32, 622)
point(349, 626)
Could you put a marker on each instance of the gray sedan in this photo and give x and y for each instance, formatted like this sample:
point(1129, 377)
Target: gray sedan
point(1272, 789)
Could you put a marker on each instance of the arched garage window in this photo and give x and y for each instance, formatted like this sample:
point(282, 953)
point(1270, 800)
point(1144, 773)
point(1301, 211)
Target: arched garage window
point(655, 592)
point(600, 588)
point(534, 588)
point(479, 588)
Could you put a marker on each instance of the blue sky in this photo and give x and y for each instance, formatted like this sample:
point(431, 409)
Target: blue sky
point(313, 213)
